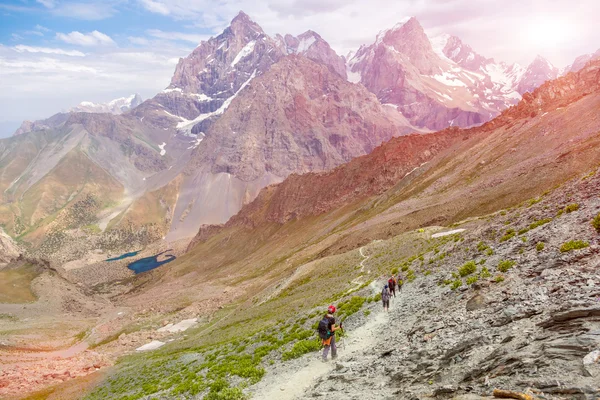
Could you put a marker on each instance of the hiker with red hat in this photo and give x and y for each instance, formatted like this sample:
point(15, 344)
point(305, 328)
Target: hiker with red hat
point(327, 330)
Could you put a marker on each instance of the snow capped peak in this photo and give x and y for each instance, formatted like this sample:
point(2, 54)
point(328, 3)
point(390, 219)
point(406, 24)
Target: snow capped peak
point(438, 43)
point(116, 106)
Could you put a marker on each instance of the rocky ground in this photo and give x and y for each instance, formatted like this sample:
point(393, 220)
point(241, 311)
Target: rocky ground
point(536, 332)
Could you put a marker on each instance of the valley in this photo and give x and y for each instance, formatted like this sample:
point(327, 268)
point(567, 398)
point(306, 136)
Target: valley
point(184, 247)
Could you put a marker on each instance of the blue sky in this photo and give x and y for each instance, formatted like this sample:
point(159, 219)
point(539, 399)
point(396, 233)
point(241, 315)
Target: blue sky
point(57, 53)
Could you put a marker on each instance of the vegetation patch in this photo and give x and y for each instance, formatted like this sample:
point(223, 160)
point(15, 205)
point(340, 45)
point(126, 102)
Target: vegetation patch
point(540, 246)
point(467, 268)
point(510, 233)
point(505, 265)
point(596, 223)
point(573, 245)
point(571, 208)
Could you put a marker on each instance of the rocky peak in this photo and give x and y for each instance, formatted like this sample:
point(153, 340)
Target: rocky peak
point(243, 26)
point(581, 61)
point(311, 45)
point(464, 55)
point(408, 38)
point(539, 71)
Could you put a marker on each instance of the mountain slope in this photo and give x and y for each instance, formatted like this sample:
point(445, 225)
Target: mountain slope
point(493, 164)
point(297, 117)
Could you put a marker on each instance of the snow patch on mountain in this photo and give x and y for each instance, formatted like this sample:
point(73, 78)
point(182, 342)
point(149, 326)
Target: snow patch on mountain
point(186, 125)
point(246, 51)
point(116, 106)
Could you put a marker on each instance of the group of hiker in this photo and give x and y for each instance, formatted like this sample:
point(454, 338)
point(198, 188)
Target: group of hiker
point(389, 290)
point(328, 327)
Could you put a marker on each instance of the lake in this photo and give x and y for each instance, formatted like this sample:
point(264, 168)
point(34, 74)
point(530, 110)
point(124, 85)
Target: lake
point(149, 263)
point(122, 256)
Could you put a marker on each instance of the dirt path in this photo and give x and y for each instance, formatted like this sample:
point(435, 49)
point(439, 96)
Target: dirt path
point(295, 377)
point(301, 374)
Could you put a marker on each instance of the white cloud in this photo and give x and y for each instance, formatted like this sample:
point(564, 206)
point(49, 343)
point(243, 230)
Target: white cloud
point(139, 41)
point(16, 36)
point(92, 11)
point(41, 28)
point(94, 38)
point(35, 33)
point(47, 3)
point(186, 37)
point(156, 7)
point(43, 65)
point(46, 50)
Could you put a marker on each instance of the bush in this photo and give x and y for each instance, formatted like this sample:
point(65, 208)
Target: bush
point(505, 265)
point(394, 270)
point(540, 246)
point(499, 279)
point(489, 252)
point(456, 284)
point(509, 235)
point(596, 223)
point(573, 245)
point(467, 269)
point(472, 279)
point(485, 273)
point(300, 348)
point(571, 208)
point(410, 275)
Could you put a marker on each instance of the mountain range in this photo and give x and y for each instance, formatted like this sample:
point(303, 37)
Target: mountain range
point(276, 178)
point(243, 111)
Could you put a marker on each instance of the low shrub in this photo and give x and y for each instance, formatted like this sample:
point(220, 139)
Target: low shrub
point(510, 233)
point(300, 348)
point(505, 265)
point(573, 245)
point(472, 279)
point(571, 208)
point(467, 268)
point(540, 246)
point(596, 223)
point(485, 273)
point(499, 279)
point(456, 284)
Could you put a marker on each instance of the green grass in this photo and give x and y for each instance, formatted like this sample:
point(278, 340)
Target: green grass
point(301, 348)
point(573, 245)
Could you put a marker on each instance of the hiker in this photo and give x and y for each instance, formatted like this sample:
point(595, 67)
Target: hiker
point(392, 285)
point(385, 298)
point(399, 282)
point(327, 330)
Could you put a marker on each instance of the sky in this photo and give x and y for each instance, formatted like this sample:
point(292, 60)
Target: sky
point(56, 53)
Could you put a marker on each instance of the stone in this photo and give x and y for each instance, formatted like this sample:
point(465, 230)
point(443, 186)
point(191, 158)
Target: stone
point(476, 302)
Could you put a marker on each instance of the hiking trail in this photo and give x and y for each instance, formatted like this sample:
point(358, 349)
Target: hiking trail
point(298, 375)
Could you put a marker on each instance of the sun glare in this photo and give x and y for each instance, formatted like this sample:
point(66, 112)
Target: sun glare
point(547, 33)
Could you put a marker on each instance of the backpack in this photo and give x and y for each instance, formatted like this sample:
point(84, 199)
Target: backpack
point(385, 294)
point(324, 328)
point(391, 283)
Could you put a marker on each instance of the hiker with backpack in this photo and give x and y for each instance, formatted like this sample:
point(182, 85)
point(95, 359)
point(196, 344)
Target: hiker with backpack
point(399, 282)
point(327, 328)
point(392, 285)
point(385, 298)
